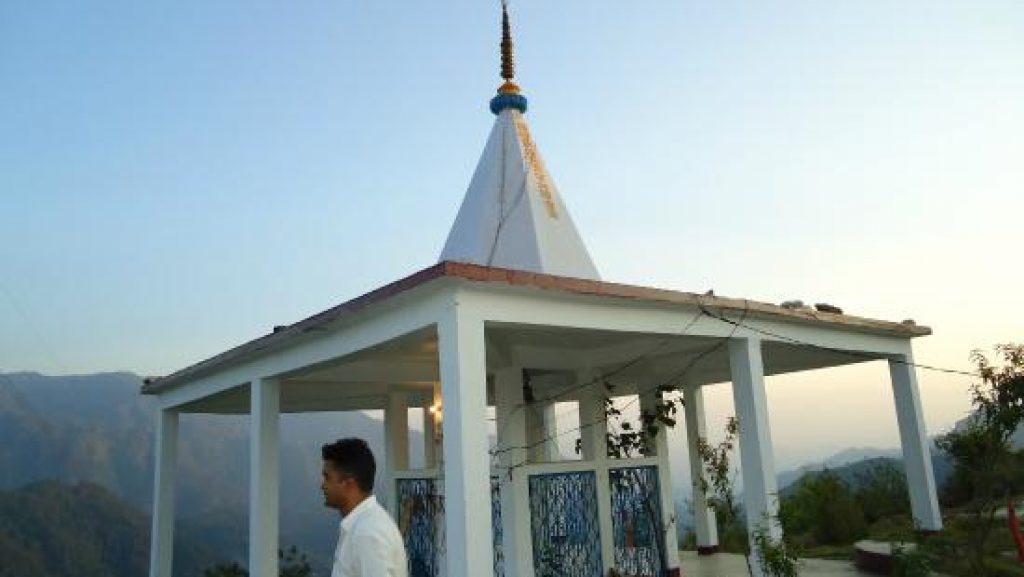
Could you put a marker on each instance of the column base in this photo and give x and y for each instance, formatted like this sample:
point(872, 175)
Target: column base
point(709, 550)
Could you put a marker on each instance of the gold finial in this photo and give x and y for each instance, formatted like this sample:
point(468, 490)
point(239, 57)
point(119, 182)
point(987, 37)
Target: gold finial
point(508, 67)
point(508, 93)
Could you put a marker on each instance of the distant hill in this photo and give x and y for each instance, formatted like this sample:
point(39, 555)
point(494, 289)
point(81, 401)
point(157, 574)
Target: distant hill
point(840, 459)
point(850, 465)
point(852, 462)
point(851, 473)
point(1016, 440)
point(92, 428)
point(97, 429)
point(49, 529)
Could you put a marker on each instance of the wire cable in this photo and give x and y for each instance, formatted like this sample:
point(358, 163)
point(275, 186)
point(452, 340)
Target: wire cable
point(721, 342)
point(602, 377)
point(855, 354)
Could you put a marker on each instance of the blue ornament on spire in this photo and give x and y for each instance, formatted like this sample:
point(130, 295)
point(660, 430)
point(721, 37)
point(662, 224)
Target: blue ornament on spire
point(508, 94)
point(506, 100)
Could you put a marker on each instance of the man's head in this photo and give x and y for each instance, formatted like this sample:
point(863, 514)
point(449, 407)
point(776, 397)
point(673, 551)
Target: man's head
point(348, 472)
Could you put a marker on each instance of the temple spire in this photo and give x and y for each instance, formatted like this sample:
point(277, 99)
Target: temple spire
point(508, 93)
point(513, 216)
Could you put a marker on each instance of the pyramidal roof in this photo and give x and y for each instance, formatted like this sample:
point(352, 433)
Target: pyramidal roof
point(513, 215)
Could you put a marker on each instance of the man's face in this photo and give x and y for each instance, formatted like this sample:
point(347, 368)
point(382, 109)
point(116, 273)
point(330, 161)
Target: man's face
point(335, 486)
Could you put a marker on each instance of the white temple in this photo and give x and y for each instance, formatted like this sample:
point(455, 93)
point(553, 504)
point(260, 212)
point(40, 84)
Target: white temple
point(515, 317)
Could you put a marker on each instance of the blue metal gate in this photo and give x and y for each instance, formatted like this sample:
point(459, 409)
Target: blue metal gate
point(636, 521)
point(421, 521)
point(564, 523)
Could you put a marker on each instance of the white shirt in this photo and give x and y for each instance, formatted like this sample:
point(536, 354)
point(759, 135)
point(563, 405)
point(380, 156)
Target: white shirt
point(369, 544)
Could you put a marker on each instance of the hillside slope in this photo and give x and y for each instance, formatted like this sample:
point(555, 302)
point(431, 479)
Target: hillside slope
point(49, 529)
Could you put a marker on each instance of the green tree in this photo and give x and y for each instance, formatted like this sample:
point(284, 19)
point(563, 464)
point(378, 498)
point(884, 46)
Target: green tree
point(909, 562)
point(226, 570)
point(717, 481)
point(881, 491)
point(985, 469)
point(776, 557)
point(292, 564)
point(824, 509)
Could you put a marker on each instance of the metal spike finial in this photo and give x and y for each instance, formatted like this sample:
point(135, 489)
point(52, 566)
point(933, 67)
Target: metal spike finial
point(508, 67)
point(508, 93)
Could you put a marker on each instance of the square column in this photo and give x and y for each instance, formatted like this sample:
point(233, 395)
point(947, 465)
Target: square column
point(550, 448)
point(703, 515)
point(593, 425)
point(517, 545)
point(649, 401)
point(431, 428)
point(542, 431)
point(760, 485)
point(467, 482)
point(162, 534)
point(594, 444)
point(916, 454)
point(264, 476)
point(396, 445)
point(535, 442)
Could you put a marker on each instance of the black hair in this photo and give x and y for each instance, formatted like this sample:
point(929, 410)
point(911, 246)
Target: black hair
point(352, 456)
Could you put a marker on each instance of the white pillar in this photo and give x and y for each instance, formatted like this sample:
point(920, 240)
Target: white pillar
point(264, 474)
point(430, 430)
point(551, 450)
point(648, 402)
point(593, 425)
point(703, 515)
point(535, 432)
point(541, 429)
point(396, 445)
point(594, 441)
point(916, 454)
point(517, 545)
point(466, 460)
point(162, 534)
point(760, 485)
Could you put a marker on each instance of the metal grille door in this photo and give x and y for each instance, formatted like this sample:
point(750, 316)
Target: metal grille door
point(564, 523)
point(636, 520)
point(421, 520)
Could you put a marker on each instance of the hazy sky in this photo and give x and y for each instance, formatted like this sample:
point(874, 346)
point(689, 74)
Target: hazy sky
point(176, 179)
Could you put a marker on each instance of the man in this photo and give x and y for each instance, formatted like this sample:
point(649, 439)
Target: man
point(369, 543)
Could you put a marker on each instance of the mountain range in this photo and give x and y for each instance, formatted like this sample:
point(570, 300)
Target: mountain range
point(49, 528)
point(97, 431)
point(77, 446)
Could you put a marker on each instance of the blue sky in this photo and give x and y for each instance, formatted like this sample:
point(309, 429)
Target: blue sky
point(176, 179)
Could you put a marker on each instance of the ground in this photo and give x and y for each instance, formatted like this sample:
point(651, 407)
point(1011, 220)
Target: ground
point(732, 565)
